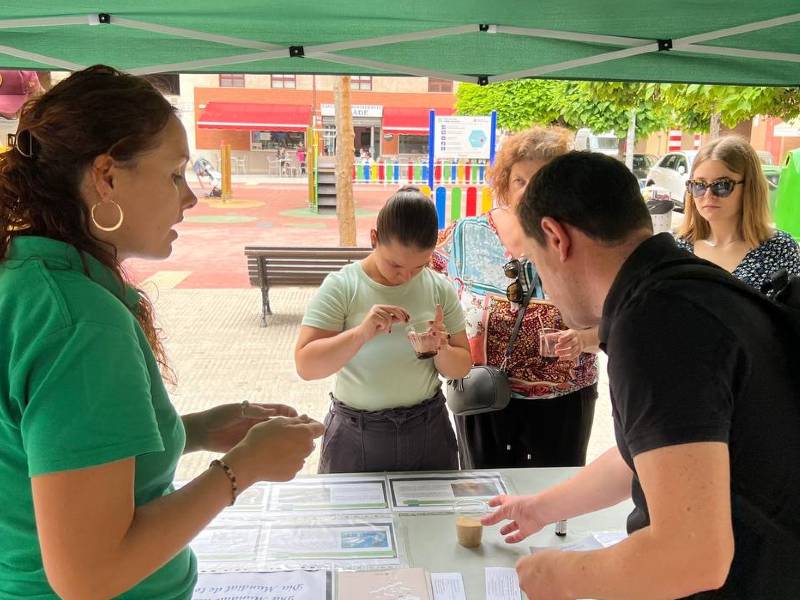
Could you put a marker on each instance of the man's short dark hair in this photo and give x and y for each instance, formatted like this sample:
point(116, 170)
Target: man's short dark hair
point(588, 190)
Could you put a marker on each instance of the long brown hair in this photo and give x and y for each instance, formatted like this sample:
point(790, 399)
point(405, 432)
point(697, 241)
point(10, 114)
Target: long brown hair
point(738, 156)
point(95, 111)
point(536, 143)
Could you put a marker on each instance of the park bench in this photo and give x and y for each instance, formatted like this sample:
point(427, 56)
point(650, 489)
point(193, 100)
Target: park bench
point(268, 267)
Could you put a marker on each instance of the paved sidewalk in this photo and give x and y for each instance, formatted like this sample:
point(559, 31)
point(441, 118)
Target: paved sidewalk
point(221, 354)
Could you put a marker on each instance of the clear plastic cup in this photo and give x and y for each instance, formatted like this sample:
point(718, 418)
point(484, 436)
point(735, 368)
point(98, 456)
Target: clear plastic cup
point(468, 514)
point(548, 338)
point(425, 344)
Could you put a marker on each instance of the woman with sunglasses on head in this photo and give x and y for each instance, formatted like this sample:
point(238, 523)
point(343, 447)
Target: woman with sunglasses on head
point(727, 216)
point(549, 419)
point(387, 411)
point(89, 440)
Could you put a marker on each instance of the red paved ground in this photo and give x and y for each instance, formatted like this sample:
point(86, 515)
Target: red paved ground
point(213, 251)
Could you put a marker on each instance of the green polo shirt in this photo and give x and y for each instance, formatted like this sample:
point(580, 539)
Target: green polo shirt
point(79, 387)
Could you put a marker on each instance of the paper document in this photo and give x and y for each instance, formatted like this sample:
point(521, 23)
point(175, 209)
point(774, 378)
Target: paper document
point(329, 495)
point(396, 584)
point(331, 541)
point(432, 493)
point(228, 543)
point(448, 586)
point(502, 584)
point(596, 541)
point(278, 585)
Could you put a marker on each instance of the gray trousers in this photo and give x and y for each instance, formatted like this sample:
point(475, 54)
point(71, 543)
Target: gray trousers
point(418, 438)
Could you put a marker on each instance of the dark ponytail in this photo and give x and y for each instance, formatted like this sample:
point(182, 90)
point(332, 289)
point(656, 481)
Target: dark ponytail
point(408, 218)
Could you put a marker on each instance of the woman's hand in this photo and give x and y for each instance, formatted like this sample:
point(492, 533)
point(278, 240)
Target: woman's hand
point(521, 511)
point(437, 329)
point(381, 318)
point(275, 450)
point(572, 342)
point(220, 428)
point(568, 345)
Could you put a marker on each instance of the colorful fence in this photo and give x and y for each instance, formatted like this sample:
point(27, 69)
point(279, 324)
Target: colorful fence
point(399, 173)
point(453, 203)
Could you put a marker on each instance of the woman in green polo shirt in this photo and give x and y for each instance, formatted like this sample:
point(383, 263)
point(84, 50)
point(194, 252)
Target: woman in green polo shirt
point(387, 411)
point(88, 438)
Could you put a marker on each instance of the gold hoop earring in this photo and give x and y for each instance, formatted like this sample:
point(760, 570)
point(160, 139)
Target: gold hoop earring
point(116, 225)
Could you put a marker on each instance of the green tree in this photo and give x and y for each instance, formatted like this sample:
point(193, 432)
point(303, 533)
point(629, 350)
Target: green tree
point(695, 106)
point(599, 106)
point(519, 103)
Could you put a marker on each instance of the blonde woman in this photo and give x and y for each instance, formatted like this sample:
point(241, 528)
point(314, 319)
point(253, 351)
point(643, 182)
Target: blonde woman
point(549, 419)
point(727, 216)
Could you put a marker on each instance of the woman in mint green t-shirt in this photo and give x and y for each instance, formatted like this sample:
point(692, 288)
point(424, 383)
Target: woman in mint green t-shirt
point(89, 440)
point(387, 410)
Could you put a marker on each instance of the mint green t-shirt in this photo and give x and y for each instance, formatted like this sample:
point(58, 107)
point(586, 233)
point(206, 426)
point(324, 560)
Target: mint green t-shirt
point(79, 387)
point(386, 372)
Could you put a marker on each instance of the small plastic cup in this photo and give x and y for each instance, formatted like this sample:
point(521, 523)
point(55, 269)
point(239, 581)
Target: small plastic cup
point(548, 338)
point(468, 513)
point(425, 344)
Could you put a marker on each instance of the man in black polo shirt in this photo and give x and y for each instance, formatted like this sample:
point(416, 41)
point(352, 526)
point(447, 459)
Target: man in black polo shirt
point(705, 409)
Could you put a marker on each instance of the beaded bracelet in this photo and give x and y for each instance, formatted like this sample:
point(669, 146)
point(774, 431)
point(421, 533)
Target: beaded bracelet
point(229, 474)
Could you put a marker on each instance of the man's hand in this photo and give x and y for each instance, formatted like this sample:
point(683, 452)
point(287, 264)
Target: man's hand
point(523, 513)
point(538, 576)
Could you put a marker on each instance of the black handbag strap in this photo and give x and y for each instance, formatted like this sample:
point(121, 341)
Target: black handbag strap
point(518, 325)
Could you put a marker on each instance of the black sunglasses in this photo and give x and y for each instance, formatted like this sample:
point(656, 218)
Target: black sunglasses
point(514, 292)
point(721, 188)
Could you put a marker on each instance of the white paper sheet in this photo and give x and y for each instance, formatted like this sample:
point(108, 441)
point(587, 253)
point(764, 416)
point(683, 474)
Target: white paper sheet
point(595, 541)
point(502, 584)
point(436, 492)
point(331, 541)
point(448, 586)
point(330, 495)
point(228, 543)
point(278, 585)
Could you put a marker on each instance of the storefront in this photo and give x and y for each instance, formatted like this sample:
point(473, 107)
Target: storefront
point(367, 121)
point(405, 130)
point(269, 128)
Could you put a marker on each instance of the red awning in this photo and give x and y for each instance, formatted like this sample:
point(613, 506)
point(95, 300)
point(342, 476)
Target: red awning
point(409, 121)
point(255, 116)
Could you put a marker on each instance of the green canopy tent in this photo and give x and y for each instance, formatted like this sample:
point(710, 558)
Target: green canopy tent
point(708, 41)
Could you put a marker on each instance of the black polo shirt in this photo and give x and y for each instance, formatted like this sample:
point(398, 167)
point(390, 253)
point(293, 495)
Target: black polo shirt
point(694, 361)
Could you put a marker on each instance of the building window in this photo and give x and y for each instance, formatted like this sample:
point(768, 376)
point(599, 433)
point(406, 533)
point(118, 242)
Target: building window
point(271, 140)
point(413, 144)
point(283, 81)
point(231, 80)
point(440, 85)
point(361, 82)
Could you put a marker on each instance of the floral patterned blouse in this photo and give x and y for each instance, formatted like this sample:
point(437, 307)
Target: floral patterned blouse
point(778, 252)
point(472, 256)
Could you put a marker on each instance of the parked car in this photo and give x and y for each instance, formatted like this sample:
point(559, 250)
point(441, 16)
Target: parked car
point(642, 163)
point(604, 143)
point(671, 173)
point(773, 174)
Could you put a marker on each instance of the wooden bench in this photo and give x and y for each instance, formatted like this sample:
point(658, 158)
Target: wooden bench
point(271, 266)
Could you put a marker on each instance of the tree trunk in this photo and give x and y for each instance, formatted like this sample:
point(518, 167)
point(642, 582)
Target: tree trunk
point(630, 142)
point(714, 129)
point(345, 209)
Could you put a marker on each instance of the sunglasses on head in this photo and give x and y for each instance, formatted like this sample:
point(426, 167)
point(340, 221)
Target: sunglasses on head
point(514, 292)
point(721, 188)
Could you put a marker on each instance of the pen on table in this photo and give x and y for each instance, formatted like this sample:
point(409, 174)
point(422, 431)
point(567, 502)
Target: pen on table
point(561, 528)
